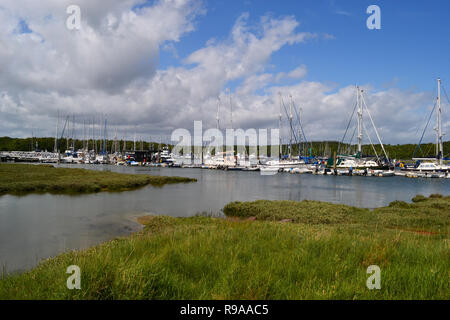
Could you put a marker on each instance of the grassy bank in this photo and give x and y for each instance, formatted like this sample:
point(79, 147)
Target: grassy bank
point(25, 178)
point(429, 215)
point(312, 255)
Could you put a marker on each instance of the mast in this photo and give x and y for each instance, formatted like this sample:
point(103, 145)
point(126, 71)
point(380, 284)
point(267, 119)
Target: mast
point(360, 120)
point(73, 132)
point(104, 139)
point(300, 135)
point(84, 134)
point(290, 125)
point(439, 134)
point(55, 149)
point(94, 143)
point(280, 146)
point(363, 103)
point(68, 132)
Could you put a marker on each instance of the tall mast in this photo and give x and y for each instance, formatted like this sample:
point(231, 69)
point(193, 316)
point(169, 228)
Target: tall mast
point(280, 146)
point(363, 104)
point(73, 132)
point(104, 139)
point(55, 149)
point(290, 126)
point(300, 132)
point(68, 132)
point(84, 134)
point(439, 134)
point(94, 143)
point(360, 120)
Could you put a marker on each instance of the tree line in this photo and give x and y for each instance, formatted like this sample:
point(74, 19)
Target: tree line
point(314, 148)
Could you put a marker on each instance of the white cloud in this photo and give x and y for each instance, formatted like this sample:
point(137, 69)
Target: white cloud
point(114, 47)
point(297, 73)
point(111, 67)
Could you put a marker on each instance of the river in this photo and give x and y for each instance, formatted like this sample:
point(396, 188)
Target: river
point(38, 226)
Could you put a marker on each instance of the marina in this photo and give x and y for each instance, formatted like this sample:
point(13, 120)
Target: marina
point(218, 151)
point(303, 162)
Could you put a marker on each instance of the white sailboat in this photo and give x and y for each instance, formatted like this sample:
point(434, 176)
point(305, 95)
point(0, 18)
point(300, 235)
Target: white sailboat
point(350, 162)
point(437, 165)
point(291, 162)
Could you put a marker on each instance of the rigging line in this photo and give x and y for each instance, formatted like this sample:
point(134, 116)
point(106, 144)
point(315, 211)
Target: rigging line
point(290, 124)
point(300, 124)
point(370, 140)
point(375, 128)
point(424, 129)
point(419, 145)
point(429, 149)
point(348, 125)
point(353, 135)
point(62, 133)
point(299, 121)
point(445, 92)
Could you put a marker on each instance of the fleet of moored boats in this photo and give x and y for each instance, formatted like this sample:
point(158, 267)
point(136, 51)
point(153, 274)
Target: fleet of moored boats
point(338, 164)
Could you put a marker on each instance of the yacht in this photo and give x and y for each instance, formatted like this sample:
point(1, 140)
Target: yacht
point(354, 163)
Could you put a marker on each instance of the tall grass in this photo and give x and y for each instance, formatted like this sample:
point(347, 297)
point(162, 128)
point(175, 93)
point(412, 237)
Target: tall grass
point(25, 178)
point(214, 258)
point(427, 214)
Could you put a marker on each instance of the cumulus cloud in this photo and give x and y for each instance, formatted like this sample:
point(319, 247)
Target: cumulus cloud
point(114, 47)
point(110, 68)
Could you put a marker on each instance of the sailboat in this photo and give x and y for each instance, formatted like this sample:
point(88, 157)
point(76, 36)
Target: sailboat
point(428, 166)
point(357, 161)
point(288, 162)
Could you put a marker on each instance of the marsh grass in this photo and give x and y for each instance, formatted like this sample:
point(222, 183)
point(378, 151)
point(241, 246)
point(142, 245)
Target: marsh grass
point(22, 179)
point(428, 214)
point(214, 258)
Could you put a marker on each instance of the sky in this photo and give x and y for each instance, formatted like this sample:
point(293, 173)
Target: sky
point(151, 67)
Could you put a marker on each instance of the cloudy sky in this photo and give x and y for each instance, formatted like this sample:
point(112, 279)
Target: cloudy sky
point(154, 66)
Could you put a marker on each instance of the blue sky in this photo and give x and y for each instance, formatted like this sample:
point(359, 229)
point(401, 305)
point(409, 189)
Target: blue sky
point(410, 51)
point(160, 65)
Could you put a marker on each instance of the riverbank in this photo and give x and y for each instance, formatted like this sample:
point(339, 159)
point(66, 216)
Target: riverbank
point(22, 179)
point(257, 255)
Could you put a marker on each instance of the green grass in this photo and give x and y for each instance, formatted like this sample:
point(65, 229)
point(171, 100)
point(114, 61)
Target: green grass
point(237, 258)
point(24, 178)
point(424, 214)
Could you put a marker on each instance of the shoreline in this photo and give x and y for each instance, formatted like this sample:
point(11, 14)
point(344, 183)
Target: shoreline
point(24, 179)
point(251, 242)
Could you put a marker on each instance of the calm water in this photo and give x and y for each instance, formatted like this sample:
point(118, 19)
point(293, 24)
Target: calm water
point(34, 227)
